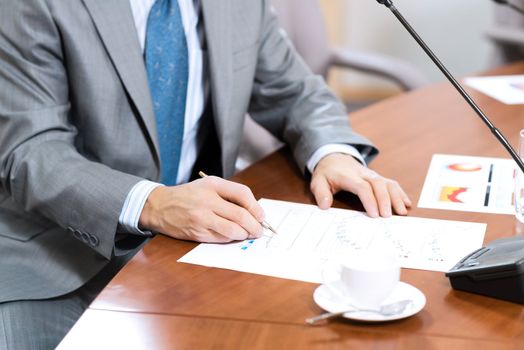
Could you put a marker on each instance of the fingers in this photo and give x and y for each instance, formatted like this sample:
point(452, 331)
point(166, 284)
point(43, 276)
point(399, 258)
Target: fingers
point(365, 193)
point(237, 205)
point(380, 196)
point(387, 194)
point(241, 223)
point(209, 236)
point(381, 193)
point(322, 192)
point(400, 200)
point(229, 229)
point(238, 194)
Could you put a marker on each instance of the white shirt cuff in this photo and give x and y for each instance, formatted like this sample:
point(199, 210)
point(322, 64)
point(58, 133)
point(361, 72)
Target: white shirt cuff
point(133, 205)
point(336, 148)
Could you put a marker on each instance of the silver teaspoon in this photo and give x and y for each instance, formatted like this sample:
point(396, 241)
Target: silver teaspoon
point(384, 310)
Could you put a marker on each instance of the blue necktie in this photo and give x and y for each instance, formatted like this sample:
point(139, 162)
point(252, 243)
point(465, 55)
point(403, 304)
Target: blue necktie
point(167, 70)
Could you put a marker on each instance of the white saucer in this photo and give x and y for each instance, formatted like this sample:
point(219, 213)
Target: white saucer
point(327, 298)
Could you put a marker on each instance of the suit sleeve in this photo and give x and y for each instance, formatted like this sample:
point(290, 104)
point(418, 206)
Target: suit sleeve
point(292, 102)
point(40, 167)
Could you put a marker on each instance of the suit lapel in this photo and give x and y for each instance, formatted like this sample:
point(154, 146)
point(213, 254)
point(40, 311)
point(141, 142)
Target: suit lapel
point(114, 22)
point(218, 38)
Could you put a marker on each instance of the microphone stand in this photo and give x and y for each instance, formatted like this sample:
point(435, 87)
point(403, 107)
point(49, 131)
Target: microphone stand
point(455, 83)
point(494, 270)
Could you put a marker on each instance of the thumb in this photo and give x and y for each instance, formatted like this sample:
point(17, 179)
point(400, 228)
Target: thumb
point(322, 192)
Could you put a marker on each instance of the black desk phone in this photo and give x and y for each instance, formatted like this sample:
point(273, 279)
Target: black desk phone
point(496, 270)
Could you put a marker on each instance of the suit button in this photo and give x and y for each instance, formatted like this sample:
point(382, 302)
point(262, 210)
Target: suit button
point(77, 234)
point(93, 241)
point(84, 236)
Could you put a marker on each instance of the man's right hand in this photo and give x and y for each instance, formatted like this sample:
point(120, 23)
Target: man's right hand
point(205, 210)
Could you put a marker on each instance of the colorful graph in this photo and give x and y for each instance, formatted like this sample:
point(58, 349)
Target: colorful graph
point(452, 193)
point(465, 167)
point(246, 244)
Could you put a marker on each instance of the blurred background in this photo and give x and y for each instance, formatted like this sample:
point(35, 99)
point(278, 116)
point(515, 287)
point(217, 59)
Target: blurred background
point(346, 40)
point(455, 30)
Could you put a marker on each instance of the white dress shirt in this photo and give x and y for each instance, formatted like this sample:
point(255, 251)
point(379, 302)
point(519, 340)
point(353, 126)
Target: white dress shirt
point(195, 102)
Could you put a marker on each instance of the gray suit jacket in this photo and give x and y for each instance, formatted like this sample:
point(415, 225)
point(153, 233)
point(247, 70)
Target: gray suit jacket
point(77, 129)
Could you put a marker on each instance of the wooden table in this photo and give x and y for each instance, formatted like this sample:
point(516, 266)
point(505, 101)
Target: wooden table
point(157, 303)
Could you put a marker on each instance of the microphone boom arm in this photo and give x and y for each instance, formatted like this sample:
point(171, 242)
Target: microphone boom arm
point(455, 83)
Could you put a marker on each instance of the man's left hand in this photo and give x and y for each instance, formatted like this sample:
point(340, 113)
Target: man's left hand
point(341, 172)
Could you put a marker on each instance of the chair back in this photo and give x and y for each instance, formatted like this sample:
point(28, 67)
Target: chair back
point(507, 34)
point(304, 23)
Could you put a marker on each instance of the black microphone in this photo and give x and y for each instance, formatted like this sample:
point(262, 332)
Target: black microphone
point(494, 270)
point(510, 5)
point(455, 83)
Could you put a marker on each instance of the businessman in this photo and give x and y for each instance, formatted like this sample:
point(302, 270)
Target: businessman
point(107, 108)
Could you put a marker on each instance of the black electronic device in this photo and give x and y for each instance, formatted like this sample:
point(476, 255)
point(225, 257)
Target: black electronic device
point(496, 270)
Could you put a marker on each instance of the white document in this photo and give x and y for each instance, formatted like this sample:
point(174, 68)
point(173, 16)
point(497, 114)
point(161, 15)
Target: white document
point(508, 89)
point(309, 237)
point(464, 183)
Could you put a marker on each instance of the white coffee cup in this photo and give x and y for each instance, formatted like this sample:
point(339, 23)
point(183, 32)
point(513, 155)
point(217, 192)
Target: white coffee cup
point(365, 279)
